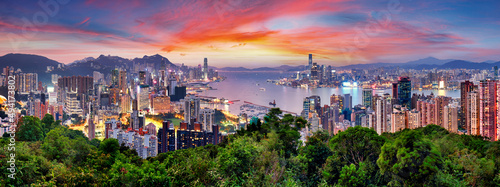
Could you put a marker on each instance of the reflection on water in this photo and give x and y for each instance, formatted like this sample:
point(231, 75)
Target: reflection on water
point(247, 87)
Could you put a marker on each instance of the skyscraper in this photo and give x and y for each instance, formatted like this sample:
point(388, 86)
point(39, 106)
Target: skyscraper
point(487, 108)
point(142, 77)
point(450, 117)
point(91, 128)
point(395, 90)
point(311, 105)
point(143, 100)
point(337, 99)
point(465, 88)
point(472, 123)
point(367, 97)
point(347, 102)
point(191, 107)
point(207, 119)
point(315, 69)
point(310, 61)
point(404, 91)
point(440, 102)
point(115, 78)
point(398, 121)
point(205, 69)
point(381, 114)
point(122, 83)
point(414, 119)
point(495, 69)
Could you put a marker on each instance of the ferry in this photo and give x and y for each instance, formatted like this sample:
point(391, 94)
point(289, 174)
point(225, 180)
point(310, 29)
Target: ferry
point(273, 103)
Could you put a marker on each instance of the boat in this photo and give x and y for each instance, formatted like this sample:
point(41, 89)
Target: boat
point(262, 89)
point(273, 103)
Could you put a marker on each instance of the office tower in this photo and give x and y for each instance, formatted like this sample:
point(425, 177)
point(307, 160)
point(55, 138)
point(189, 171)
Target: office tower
point(337, 99)
point(143, 97)
point(472, 104)
point(495, 69)
point(115, 78)
point(367, 97)
point(315, 69)
point(122, 83)
point(310, 61)
point(398, 121)
point(166, 137)
point(404, 91)
point(487, 109)
point(142, 77)
point(465, 88)
point(172, 84)
point(382, 110)
point(327, 118)
point(414, 119)
point(207, 119)
point(91, 129)
point(311, 104)
point(205, 69)
point(347, 102)
point(191, 107)
point(395, 91)
point(450, 117)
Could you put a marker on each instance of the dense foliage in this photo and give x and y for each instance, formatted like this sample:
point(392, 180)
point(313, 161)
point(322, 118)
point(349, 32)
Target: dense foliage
point(267, 153)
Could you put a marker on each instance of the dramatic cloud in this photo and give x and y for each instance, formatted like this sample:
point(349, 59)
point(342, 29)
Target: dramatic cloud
point(253, 33)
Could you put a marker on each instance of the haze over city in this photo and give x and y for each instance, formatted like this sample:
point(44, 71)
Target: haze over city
point(254, 33)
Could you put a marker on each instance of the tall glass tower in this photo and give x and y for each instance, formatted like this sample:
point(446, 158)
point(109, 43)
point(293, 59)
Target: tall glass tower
point(404, 91)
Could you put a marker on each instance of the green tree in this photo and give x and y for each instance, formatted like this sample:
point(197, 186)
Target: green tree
point(48, 123)
point(236, 159)
point(354, 146)
point(56, 145)
point(354, 175)
point(110, 146)
point(315, 152)
point(410, 159)
point(30, 129)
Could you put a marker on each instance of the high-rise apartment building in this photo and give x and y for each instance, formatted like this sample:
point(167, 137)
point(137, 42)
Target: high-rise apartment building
point(465, 88)
point(191, 107)
point(472, 104)
point(487, 108)
point(450, 117)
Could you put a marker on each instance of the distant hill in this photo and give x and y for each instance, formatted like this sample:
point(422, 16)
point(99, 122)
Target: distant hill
point(27, 62)
point(430, 61)
point(105, 64)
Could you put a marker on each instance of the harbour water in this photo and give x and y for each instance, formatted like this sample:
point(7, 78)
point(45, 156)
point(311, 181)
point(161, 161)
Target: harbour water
point(253, 87)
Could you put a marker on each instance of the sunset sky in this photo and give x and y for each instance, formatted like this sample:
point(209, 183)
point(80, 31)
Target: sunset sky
point(254, 33)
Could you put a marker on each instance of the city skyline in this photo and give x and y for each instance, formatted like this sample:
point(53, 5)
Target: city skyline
point(253, 34)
